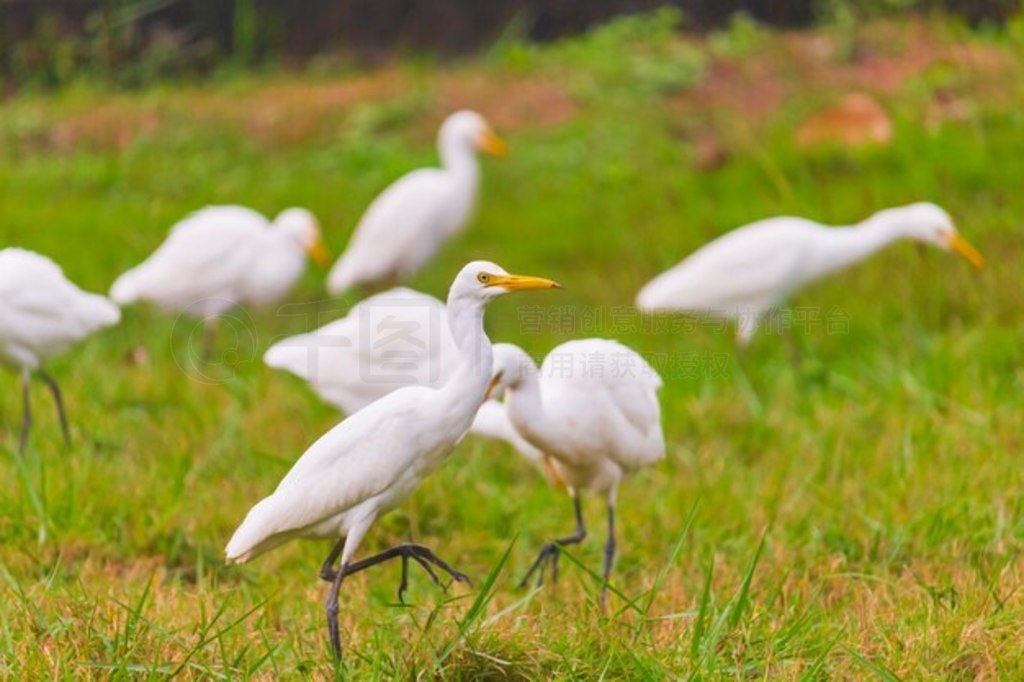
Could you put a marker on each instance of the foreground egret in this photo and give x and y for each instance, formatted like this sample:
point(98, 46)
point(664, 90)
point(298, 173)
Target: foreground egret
point(392, 339)
point(41, 314)
point(593, 408)
point(223, 256)
point(747, 272)
point(370, 463)
point(407, 223)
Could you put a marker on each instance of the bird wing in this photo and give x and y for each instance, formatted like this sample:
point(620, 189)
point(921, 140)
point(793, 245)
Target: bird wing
point(745, 271)
point(606, 396)
point(396, 338)
point(205, 254)
point(356, 461)
point(41, 310)
point(398, 233)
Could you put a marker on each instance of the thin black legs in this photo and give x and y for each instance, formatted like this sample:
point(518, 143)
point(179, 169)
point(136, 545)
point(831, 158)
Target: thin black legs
point(26, 419)
point(209, 337)
point(549, 552)
point(418, 553)
point(609, 554)
point(51, 383)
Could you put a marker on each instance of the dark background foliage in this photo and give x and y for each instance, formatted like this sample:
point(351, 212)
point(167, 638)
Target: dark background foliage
point(48, 42)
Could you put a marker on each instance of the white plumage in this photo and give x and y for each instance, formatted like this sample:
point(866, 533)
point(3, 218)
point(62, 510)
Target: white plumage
point(393, 339)
point(41, 314)
point(745, 273)
point(592, 407)
point(375, 459)
point(221, 257)
point(407, 223)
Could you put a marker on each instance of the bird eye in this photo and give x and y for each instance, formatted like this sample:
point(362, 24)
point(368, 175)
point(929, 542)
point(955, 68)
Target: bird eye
point(483, 278)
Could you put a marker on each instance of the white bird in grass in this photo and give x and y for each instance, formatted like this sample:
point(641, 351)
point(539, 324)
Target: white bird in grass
point(747, 272)
point(370, 463)
point(592, 407)
point(407, 223)
point(392, 339)
point(221, 257)
point(41, 314)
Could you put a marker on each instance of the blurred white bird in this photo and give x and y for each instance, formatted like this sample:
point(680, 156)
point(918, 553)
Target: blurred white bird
point(41, 314)
point(593, 408)
point(223, 256)
point(370, 463)
point(393, 339)
point(747, 272)
point(407, 223)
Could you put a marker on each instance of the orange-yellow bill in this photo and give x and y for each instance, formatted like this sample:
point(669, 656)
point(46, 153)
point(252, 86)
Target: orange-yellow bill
point(319, 253)
point(491, 385)
point(522, 282)
point(492, 144)
point(961, 246)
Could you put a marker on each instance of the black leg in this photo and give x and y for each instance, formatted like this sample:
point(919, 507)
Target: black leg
point(331, 607)
point(209, 337)
point(609, 555)
point(549, 552)
point(26, 419)
point(327, 571)
point(418, 553)
point(59, 400)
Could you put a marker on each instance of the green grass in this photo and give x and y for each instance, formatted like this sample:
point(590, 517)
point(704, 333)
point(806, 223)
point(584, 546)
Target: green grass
point(855, 516)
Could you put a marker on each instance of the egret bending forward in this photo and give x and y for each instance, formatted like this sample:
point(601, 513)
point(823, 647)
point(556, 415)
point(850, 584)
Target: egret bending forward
point(223, 256)
point(407, 223)
point(370, 463)
point(593, 408)
point(41, 314)
point(747, 272)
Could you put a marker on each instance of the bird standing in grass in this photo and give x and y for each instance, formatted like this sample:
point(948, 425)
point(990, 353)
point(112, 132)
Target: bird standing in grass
point(407, 223)
point(371, 462)
point(747, 272)
point(396, 338)
point(221, 257)
point(41, 314)
point(592, 407)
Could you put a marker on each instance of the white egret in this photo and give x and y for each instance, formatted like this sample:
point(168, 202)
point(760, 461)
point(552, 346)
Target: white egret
point(221, 257)
point(41, 314)
point(392, 339)
point(407, 223)
point(592, 407)
point(371, 462)
point(747, 272)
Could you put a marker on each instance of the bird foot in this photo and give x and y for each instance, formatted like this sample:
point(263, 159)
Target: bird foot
point(548, 556)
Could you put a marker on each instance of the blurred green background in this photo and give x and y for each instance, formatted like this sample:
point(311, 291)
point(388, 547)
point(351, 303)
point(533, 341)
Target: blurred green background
point(856, 515)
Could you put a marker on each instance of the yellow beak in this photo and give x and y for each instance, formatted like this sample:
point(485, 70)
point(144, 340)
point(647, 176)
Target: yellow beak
point(492, 144)
point(522, 282)
point(491, 385)
point(319, 253)
point(961, 246)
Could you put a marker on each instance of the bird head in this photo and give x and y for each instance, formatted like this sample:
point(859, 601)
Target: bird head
point(482, 280)
point(469, 130)
point(929, 224)
point(510, 366)
point(305, 229)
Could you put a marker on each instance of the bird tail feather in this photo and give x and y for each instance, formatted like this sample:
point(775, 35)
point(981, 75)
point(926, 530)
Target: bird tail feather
point(257, 534)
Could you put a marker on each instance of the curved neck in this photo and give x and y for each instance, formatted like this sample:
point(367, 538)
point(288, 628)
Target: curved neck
point(459, 160)
point(841, 247)
point(469, 380)
point(525, 405)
